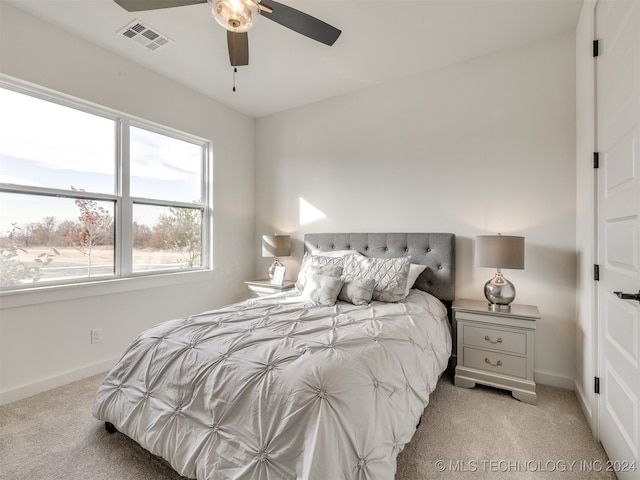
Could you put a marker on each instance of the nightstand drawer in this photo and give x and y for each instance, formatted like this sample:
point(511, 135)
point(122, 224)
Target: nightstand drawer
point(502, 340)
point(495, 362)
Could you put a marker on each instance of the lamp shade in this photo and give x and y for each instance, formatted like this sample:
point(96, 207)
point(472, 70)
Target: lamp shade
point(276, 245)
point(499, 251)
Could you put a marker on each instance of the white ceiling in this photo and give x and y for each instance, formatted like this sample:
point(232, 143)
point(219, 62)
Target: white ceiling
point(381, 40)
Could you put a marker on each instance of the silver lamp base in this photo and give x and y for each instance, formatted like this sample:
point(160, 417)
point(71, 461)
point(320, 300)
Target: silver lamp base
point(500, 292)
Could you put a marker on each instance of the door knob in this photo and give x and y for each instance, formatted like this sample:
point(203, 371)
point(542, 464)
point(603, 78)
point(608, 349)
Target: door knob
point(628, 296)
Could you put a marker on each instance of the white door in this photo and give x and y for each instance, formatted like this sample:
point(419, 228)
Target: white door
point(618, 138)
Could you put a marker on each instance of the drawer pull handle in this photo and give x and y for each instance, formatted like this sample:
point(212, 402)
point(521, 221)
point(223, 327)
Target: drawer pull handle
point(488, 339)
point(497, 364)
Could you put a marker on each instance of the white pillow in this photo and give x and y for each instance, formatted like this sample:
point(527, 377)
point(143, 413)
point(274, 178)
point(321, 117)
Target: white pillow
point(322, 289)
point(414, 272)
point(309, 261)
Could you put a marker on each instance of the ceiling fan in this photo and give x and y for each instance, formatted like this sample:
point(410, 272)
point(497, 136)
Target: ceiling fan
point(238, 16)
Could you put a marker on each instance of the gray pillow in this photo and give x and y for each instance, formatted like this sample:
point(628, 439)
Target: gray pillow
point(322, 289)
point(390, 275)
point(357, 291)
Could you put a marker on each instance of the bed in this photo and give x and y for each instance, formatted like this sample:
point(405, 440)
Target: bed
point(292, 386)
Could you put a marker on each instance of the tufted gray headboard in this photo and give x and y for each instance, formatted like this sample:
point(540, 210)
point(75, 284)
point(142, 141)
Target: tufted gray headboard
point(435, 250)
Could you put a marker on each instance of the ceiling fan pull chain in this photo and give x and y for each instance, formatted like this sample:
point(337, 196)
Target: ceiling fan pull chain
point(235, 70)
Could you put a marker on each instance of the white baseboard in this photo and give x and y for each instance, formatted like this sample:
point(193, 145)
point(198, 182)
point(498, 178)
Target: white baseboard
point(554, 380)
point(586, 406)
point(18, 393)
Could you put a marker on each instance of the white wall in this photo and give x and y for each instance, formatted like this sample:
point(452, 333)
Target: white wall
point(484, 146)
point(481, 147)
point(585, 214)
point(43, 345)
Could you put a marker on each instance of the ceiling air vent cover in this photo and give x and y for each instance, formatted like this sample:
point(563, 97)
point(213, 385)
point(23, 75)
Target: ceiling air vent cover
point(147, 37)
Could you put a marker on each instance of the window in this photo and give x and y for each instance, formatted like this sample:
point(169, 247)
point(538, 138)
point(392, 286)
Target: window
point(89, 194)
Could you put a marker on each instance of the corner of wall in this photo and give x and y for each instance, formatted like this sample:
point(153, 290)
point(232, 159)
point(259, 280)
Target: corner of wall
point(553, 380)
point(586, 327)
point(585, 405)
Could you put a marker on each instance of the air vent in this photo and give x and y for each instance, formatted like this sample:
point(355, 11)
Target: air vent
point(143, 35)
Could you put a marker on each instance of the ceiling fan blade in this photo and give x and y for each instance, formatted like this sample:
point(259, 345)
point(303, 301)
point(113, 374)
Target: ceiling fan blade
point(238, 48)
point(141, 5)
point(300, 22)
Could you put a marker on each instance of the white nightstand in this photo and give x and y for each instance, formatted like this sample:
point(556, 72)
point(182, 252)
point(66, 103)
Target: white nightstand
point(260, 288)
point(495, 348)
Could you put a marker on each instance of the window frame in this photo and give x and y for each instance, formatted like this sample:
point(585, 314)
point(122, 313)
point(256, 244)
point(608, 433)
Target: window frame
point(123, 206)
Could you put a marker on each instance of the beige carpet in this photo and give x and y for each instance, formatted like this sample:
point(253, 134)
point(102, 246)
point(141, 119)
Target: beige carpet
point(481, 433)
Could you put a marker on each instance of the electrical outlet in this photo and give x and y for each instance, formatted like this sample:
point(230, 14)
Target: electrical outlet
point(96, 335)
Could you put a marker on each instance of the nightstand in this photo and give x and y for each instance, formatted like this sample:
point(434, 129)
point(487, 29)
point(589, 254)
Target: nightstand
point(496, 348)
point(260, 288)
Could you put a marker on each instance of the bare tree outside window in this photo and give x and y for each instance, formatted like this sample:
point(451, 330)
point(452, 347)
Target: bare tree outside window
point(95, 225)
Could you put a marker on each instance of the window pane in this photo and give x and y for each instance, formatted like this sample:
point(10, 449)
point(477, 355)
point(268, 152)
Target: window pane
point(51, 238)
point(166, 238)
point(48, 145)
point(54, 149)
point(164, 167)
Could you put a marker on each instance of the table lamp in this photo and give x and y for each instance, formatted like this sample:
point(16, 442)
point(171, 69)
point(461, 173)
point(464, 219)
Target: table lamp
point(499, 251)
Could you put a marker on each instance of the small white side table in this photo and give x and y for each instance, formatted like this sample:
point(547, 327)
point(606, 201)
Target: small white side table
point(496, 348)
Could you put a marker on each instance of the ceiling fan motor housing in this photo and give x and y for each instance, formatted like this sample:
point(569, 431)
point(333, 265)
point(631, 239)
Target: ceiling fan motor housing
point(235, 15)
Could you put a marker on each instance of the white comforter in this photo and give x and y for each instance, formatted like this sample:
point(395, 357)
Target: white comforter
point(274, 388)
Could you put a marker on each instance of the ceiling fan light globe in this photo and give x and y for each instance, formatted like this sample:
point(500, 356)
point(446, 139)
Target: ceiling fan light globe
point(235, 15)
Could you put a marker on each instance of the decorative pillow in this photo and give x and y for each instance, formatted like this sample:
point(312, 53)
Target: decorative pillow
point(414, 272)
point(330, 270)
point(309, 261)
point(322, 289)
point(357, 291)
point(390, 275)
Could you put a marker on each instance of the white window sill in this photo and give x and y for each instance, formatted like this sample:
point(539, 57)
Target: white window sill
point(57, 293)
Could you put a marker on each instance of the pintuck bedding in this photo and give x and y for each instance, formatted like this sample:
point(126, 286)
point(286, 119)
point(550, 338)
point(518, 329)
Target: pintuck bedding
point(281, 387)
